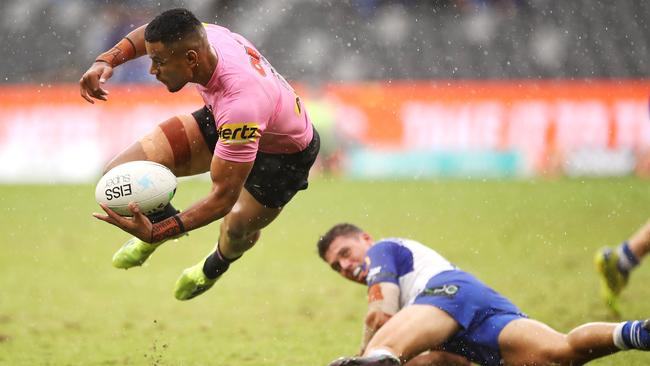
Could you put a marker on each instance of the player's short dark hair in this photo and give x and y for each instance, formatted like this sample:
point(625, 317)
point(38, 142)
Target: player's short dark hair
point(343, 229)
point(172, 26)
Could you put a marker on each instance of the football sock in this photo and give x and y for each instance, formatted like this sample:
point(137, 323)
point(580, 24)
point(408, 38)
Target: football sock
point(626, 258)
point(166, 213)
point(632, 335)
point(216, 264)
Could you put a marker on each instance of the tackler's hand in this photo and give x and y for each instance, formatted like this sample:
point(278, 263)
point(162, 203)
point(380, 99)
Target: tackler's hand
point(90, 84)
point(138, 225)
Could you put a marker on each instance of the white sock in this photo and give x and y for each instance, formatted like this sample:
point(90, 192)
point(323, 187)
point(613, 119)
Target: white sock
point(618, 337)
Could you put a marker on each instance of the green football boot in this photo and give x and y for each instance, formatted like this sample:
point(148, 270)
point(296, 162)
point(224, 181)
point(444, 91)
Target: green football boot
point(133, 253)
point(612, 279)
point(193, 282)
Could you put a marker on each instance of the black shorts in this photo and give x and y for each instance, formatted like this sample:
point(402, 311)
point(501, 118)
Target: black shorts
point(274, 178)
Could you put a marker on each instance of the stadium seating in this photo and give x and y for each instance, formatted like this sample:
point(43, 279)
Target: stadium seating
point(355, 40)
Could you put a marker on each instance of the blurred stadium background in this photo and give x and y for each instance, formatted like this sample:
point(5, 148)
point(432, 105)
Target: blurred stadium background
point(412, 97)
point(409, 88)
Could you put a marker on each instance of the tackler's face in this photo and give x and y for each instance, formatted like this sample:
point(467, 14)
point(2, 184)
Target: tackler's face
point(170, 65)
point(346, 255)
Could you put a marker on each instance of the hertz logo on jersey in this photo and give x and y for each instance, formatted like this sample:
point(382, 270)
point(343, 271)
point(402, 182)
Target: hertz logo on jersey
point(238, 133)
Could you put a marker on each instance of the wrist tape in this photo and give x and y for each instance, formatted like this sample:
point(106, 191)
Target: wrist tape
point(167, 228)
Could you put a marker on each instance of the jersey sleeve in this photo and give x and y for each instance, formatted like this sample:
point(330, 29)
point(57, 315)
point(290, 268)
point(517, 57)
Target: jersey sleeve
point(240, 124)
point(381, 260)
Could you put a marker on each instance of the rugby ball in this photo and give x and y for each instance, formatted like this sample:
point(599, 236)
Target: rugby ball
point(150, 185)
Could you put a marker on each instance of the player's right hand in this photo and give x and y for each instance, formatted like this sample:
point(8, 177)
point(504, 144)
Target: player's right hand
point(90, 84)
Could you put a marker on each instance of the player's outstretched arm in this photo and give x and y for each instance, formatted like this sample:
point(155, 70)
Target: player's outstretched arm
point(130, 47)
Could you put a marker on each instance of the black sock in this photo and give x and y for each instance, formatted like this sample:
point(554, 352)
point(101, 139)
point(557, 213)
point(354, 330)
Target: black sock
point(216, 264)
point(166, 213)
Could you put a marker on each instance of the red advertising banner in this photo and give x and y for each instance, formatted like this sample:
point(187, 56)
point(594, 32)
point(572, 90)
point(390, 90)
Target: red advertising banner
point(496, 108)
point(49, 133)
point(540, 119)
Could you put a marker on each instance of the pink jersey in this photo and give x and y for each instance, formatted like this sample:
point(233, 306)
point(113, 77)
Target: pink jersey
point(253, 106)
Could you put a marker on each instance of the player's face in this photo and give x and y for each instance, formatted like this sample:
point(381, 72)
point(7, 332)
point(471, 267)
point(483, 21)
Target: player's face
point(169, 65)
point(346, 255)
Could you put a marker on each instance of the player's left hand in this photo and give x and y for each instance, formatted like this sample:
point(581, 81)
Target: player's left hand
point(92, 81)
point(138, 225)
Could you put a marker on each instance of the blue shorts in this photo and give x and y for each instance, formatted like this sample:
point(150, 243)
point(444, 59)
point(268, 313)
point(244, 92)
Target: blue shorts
point(481, 312)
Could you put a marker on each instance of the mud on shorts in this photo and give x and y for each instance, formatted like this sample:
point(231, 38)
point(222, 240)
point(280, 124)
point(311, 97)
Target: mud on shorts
point(274, 178)
point(481, 312)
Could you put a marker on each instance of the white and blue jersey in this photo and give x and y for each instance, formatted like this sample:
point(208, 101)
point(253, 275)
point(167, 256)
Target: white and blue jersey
point(406, 263)
point(425, 277)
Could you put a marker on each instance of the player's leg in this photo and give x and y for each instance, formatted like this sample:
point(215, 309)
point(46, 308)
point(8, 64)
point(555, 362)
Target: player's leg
point(614, 264)
point(412, 331)
point(529, 342)
point(438, 358)
point(183, 144)
point(273, 181)
point(176, 143)
point(240, 230)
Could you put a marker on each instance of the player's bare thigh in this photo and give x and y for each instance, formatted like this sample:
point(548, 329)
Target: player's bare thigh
point(413, 330)
point(176, 143)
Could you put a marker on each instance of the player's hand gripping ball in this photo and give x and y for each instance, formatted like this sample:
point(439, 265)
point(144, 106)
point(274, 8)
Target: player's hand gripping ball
point(146, 183)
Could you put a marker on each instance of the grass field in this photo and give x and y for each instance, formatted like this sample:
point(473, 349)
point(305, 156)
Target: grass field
point(62, 303)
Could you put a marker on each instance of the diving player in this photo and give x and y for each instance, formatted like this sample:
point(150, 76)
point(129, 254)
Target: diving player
point(253, 135)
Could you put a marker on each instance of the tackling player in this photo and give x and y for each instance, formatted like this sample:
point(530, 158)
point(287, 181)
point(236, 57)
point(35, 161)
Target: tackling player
point(253, 136)
point(418, 302)
point(615, 265)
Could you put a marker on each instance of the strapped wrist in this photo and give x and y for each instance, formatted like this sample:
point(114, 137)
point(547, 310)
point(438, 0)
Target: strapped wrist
point(122, 52)
point(167, 228)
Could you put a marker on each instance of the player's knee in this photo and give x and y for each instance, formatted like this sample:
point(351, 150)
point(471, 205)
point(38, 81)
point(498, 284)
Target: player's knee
point(134, 152)
point(238, 231)
point(124, 157)
point(555, 353)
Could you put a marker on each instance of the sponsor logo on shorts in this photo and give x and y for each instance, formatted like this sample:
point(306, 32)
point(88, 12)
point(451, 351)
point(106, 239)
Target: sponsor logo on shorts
point(238, 133)
point(444, 290)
